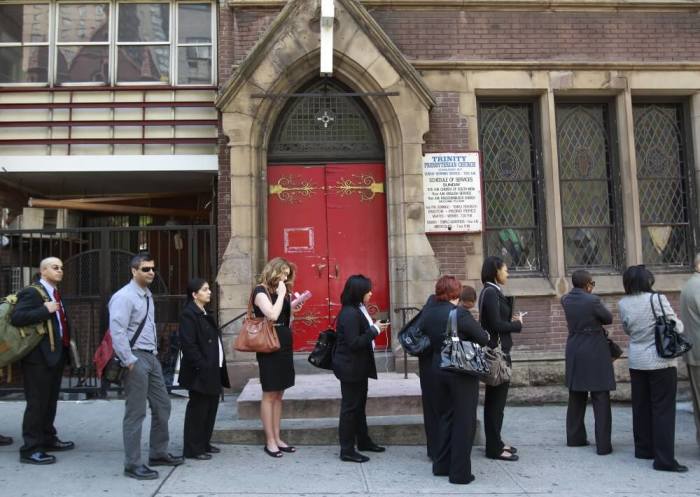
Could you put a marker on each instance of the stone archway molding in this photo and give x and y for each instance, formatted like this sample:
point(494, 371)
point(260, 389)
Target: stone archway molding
point(366, 60)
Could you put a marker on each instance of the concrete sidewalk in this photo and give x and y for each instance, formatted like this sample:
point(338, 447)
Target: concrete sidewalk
point(547, 466)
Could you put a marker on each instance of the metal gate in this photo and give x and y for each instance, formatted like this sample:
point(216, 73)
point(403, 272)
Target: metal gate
point(96, 264)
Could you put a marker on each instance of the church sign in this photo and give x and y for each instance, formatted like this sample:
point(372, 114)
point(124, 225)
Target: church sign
point(452, 193)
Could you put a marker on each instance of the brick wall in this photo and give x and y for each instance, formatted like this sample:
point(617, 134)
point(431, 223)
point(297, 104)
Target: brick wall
point(448, 128)
point(239, 30)
point(450, 34)
point(223, 197)
point(510, 35)
point(545, 324)
point(451, 252)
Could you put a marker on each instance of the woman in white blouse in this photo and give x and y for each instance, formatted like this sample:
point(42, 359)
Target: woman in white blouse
point(653, 378)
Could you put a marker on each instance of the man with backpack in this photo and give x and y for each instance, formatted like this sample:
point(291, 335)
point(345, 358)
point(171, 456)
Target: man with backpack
point(43, 367)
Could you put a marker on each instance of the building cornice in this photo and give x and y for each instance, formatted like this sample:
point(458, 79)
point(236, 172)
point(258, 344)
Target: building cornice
point(503, 4)
point(545, 65)
point(548, 65)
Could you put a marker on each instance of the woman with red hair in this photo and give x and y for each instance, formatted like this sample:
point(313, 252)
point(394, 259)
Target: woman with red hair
point(454, 397)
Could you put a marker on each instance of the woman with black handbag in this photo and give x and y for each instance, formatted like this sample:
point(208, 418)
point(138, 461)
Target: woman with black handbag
point(202, 370)
point(353, 365)
point(456, 396)
point(496, 315)
point(653, 378)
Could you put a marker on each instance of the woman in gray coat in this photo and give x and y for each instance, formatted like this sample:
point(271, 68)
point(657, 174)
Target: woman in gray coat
point(588, 363)
point(653, 378)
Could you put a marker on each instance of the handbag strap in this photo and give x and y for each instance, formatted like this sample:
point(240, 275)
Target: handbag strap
point(452, 324)
point(481, 305)
point(249, 312)
point(132, 342)
point(651, 302)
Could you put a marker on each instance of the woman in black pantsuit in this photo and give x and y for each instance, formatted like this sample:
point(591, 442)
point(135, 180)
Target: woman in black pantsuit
point(353, 364)
point(202, 370)
point(456, 396)
point(271, 299)
point(496, 315)
point(427, 391)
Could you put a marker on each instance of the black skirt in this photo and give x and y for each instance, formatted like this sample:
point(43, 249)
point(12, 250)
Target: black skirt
point(277, 368)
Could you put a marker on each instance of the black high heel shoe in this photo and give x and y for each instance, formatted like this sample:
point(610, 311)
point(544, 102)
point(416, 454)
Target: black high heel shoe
point(271, 453)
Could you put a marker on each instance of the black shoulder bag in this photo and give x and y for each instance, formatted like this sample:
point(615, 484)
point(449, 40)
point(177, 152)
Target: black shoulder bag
point(114, 370)
point(412, 338)
point(461, 356)
point(669, 343)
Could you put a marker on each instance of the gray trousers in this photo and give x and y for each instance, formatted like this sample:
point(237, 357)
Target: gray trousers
point(145, 383)
point(694, 377)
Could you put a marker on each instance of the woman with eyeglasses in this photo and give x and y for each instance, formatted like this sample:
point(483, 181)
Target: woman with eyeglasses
point(271, 299)
point(589, 364)
point(202, 371)
point(496, 315)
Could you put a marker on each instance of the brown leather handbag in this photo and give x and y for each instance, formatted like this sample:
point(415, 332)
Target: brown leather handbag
point(257, 334)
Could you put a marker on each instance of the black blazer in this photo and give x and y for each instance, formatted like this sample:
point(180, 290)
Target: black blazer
point(588, 362)
point(30, 310)
point(496, 313)
point(199, 340)
point(353, 357)
point(434, 325)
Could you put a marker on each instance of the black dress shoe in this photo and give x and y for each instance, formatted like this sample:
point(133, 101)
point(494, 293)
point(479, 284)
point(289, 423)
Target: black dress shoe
point(167, 460)
point(200, 457)
point(353, 457)
point(38, 457)
point(5, 440)
point(140, 472)
point(373, 447)
point(213, 450)
point(58, 446)
point(678, 468)
point(461, 481)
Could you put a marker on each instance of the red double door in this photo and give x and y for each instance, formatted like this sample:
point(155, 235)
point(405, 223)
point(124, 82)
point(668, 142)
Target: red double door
point(330, 220)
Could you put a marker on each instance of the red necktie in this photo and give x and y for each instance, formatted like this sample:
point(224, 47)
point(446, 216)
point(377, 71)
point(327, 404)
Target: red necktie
point(62, 317)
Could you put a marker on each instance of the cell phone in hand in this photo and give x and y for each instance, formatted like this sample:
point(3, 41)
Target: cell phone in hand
point(300, 298)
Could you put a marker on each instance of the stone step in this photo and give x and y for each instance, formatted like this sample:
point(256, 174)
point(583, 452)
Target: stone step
point(318, 396)
point(385, 360)
point(386, 430)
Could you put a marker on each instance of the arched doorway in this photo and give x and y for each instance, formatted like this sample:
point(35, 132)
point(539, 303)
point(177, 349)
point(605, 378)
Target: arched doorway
point(327, 209)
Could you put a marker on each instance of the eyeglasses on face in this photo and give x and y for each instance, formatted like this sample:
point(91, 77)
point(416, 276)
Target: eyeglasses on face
point(57, 268)
point(147, 269)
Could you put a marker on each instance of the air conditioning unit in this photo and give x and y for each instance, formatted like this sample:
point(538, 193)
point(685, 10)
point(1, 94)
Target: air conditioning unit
point(20, 277)
point(33, 218)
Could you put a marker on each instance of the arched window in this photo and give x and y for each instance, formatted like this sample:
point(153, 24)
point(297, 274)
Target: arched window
point(324, 126)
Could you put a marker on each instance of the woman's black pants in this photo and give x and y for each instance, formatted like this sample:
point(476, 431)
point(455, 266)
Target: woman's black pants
point(428, 388)
point(494, 404)
point(200, 416)
point(457, 398)
point(352, 426)
point(654, 415)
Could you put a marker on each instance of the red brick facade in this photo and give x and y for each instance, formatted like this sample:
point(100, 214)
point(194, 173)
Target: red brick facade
point(451, 34)
point(531, 35)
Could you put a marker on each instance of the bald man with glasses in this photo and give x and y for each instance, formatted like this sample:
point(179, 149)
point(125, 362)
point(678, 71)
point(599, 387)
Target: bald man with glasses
point(42, 368)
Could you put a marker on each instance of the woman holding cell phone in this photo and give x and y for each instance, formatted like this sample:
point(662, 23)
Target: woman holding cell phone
point(496, 315)
point(353, 364)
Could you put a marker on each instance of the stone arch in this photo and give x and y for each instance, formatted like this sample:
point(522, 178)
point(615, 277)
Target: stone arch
point(366, 61)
